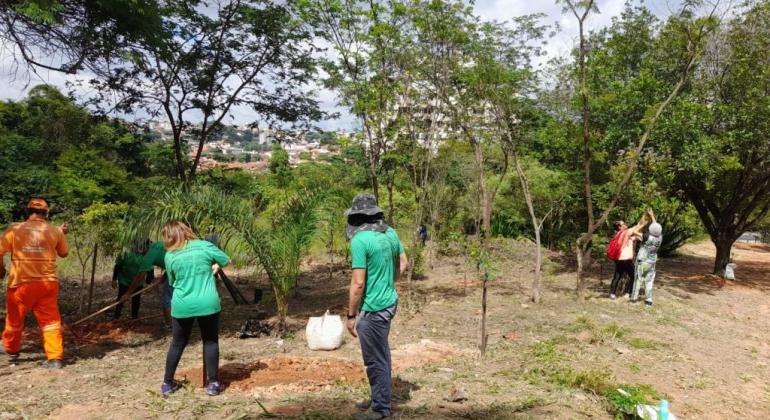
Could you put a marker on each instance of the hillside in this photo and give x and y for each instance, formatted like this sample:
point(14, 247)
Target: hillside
point(703, 345)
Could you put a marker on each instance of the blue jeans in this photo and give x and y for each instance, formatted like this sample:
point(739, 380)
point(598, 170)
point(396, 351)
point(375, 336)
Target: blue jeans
point(168, 293)
point(373, 329)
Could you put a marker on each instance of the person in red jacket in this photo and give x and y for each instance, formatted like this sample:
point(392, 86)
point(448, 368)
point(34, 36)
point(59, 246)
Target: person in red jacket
point(625, 263)
point(33, 284)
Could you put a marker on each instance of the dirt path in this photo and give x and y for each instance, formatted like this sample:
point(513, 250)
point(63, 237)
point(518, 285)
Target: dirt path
point(703, 345)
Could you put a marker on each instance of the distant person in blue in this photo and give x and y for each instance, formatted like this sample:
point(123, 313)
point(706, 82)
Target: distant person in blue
point(423, 232)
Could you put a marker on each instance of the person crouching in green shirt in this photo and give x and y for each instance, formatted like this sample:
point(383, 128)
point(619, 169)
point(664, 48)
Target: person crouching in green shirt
point(378, 259)
point(127, 275)
point(190, 266)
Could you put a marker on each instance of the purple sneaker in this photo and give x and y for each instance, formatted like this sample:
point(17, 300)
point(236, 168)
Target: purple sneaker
point(168, 389)
point(213, 389)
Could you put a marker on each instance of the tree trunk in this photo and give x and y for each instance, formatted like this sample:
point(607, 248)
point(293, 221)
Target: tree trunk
point(93, 275)
point(282, 305)
point(373, 159)
point(82, 287)
point(484, 335)
point(82, 290)
point(331, 252)
point(486, 202)
point(538, 267)
point(583, 253)
point(179, 158)
point(412, 259)
point(486, 214)
point(535, 225)
point(391, 207)
point(724, 245)
point(431, 230)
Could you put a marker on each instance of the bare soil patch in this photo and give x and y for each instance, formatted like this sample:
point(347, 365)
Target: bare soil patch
point(308, 373)
point(88, 410)
point(116, 330)
point(100, 332)
point(425, 351)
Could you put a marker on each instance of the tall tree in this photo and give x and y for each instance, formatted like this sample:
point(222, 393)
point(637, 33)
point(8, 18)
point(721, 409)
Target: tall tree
point(72, 36)
point(501, 75)
point(715, 143)
point(681, 42)
point(458, 35)
point(52, 147)
point(368, 71)
point(232, 53)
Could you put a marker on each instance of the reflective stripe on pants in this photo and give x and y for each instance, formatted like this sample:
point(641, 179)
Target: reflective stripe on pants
point(41, 297)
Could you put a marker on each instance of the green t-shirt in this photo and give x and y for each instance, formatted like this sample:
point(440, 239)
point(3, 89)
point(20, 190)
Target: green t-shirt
point(189, 273)
point(155, 257)
point(377, 253)
point(127, 266)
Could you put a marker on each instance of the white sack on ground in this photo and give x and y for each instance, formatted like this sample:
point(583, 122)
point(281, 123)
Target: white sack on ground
point(730, 271)
point(324, 332)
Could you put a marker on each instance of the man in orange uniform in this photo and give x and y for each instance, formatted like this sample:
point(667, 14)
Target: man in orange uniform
point(33, 283)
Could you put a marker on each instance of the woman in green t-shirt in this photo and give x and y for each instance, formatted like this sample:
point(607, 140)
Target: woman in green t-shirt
point(190, 269)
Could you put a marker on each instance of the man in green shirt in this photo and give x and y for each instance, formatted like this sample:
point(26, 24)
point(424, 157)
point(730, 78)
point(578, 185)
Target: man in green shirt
point(127, 275)
point(378, 259)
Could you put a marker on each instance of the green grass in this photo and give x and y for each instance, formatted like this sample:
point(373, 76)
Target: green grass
point(545, 351)
point(581, 323)
point(552, 368)
point(626, 402)
point(642, 343)
point(609, 333)
point(599, 335)
point(501, 410)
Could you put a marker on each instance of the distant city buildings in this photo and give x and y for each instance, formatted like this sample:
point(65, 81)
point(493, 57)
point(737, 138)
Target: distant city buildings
point(249, 148)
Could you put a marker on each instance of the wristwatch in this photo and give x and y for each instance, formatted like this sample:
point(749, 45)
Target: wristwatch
point(352, 316)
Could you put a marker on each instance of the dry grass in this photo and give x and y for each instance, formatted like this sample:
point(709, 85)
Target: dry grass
point(702, 346)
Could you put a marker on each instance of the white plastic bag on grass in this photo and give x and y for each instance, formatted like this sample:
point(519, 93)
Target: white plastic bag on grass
point(730, 271)
point(648, 412)
point(324, 332)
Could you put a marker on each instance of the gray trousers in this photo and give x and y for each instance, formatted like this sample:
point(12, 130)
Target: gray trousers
point(645, 276)
point(373, 329)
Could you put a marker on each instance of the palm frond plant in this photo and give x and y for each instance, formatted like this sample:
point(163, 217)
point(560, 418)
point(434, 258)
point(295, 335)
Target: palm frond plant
point(276, 236)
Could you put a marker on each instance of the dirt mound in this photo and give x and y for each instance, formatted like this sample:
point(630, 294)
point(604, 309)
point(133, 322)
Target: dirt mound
point(305, 372)
point(426, 351)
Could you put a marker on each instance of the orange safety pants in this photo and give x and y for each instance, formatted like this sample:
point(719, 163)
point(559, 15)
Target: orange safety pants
point(42, 297)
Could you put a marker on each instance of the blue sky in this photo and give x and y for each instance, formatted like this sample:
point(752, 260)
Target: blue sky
point(16, 86)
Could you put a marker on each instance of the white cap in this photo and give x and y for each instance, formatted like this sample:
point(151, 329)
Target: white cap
point(656, 229)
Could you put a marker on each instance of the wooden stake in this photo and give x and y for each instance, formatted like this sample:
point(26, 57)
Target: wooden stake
point(93, 274)
point(205, 377)
point(484, 335)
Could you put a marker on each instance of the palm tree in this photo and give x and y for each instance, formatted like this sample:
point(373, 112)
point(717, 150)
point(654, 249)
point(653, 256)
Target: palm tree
point(276, 236)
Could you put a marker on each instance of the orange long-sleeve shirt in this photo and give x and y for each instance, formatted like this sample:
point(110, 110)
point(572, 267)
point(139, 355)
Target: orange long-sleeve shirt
point(34, 246)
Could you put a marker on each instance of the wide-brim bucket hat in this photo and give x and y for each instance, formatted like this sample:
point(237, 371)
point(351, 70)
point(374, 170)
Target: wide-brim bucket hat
point(365, 204)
